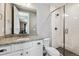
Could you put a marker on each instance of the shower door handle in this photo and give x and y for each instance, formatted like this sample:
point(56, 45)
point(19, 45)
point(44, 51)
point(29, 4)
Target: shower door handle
point(66, 31)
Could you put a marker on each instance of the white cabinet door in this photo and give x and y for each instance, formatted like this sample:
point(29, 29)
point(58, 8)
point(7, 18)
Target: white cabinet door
point(27, 52)
point(27, 45)
point(18, 46)
point(37, 49)
point(26, 48)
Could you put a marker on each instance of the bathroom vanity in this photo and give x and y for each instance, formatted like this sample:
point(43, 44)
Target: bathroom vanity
point(22, 47)
point(17, 23)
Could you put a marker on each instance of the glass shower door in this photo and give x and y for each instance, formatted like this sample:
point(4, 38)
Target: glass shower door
point(72, 29)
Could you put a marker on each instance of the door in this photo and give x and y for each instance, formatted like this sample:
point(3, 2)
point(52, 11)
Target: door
point(72, 28)
point(57, 28)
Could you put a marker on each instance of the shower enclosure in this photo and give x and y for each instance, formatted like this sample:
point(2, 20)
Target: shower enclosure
point(65, 29)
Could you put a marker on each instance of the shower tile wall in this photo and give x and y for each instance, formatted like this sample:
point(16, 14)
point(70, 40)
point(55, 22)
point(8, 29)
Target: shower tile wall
point(57, 28)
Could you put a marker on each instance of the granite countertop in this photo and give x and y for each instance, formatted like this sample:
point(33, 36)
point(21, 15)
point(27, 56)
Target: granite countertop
point(13, 40)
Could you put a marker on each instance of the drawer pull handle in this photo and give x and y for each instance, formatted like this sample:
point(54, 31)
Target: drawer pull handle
point(3, 50)
point(26, 52)
point(38, 43)
point(21, 54)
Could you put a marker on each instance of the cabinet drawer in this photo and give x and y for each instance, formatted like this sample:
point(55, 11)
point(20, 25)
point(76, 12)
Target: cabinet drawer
point(5, 49)
point(17, 53)
point(27, 52)
point(17, 47)
point(27, 45)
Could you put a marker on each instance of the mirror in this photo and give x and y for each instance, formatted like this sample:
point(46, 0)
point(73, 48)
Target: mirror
point(24, 22)
point(24, 19)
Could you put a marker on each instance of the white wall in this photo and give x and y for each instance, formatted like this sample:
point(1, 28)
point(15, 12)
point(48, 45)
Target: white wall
point(32, 23)
point(43, 25)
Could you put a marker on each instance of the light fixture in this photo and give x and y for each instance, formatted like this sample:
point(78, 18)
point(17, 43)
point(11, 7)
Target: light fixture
point(28, 4)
